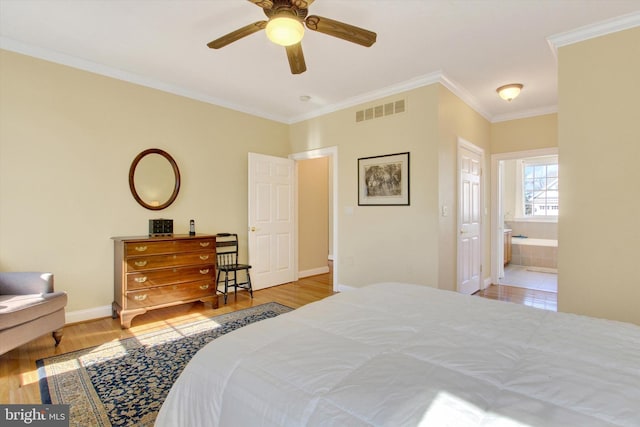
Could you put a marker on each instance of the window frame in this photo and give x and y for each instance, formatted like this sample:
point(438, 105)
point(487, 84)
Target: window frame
point(520, 188)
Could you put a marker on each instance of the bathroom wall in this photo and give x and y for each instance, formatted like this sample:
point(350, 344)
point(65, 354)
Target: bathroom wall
point(536, 230)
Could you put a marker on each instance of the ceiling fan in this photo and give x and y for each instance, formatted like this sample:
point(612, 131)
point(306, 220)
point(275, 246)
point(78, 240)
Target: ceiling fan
point(285, 28)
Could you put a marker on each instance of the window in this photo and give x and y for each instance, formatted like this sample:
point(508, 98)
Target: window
point(540, 188)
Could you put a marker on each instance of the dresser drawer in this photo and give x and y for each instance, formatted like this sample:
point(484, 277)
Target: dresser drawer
point(165, 261)
point(168, 246)
point(170, 294)
point(169, 276)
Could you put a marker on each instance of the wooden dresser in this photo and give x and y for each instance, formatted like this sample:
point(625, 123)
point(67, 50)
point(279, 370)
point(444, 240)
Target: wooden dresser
point(156, 272)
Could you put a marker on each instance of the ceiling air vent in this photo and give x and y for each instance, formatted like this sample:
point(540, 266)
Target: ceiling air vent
point(381, 111)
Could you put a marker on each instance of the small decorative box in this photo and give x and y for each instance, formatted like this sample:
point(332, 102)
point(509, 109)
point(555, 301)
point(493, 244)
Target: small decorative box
point(160, 227)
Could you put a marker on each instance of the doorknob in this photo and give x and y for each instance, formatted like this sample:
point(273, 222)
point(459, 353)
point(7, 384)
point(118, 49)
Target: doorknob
point(252, 229)
point(461, 231)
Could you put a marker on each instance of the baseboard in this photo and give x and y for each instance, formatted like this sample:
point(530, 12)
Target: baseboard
point(345, 288)
point(313, 272)
point(87, 314)
point(487, 282)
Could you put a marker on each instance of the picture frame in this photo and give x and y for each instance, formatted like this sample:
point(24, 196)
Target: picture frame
point(384, 180)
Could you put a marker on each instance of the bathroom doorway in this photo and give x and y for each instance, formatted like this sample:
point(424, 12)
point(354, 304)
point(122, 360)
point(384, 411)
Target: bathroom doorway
point(524, 220)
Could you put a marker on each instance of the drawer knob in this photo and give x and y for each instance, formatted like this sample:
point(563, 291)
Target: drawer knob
point(141, 248)
point(140, 297)
point(203, 287)
point(140, 263)
point(204, 257)
point(204, 271)
point(141, 279)
point(204, 244)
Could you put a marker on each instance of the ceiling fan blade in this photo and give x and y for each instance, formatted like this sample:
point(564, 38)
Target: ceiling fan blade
point(301, 4)
point(296, 59)
point(265, 4)
point(341, 30)
point(237, 34)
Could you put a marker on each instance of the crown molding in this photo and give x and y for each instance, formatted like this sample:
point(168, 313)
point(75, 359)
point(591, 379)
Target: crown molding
point(421, 81)
point(103, 70)
point(463, 94)
point(414, 83)
point(551, 109)
point(591, 31)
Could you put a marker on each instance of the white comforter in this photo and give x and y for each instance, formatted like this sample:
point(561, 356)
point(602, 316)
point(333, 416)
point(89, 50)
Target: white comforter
point(406, 355)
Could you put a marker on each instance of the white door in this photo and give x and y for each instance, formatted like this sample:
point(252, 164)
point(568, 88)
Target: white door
point(469, 218)
point(271, 220)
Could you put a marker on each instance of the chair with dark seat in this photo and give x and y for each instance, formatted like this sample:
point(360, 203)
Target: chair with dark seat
point(227, 257)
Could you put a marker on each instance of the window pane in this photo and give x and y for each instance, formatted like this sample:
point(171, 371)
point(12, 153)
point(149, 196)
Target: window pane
point(528, 209)
point(528, 172)
point(540, 183)
point(540, 189)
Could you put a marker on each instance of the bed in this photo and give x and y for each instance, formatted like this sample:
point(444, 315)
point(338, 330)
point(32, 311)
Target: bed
point(394, 354)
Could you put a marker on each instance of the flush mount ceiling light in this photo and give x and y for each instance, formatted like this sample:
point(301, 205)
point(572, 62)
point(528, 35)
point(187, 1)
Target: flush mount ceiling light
point(510, 91)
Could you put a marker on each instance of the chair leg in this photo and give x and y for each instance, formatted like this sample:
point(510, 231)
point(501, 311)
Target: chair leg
point(235, 282)
point(249, 283)
point(226, 286)
point(57, 335)
point(217, 282)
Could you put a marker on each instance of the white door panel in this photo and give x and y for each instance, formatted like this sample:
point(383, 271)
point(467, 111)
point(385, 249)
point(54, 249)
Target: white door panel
point(271, 220)
point(469, 219)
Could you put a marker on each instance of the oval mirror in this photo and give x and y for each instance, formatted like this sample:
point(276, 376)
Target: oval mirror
point(154, 179)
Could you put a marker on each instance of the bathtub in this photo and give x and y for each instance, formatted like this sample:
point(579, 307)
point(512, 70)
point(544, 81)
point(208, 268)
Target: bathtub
point(534, 252)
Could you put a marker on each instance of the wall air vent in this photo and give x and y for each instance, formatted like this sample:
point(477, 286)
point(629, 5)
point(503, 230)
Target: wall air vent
point(381, 110)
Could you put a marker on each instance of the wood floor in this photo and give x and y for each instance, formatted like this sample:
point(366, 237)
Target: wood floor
point(531, 297)
point(18, 374)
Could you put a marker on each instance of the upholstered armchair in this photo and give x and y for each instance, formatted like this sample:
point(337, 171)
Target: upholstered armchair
point(29, 308)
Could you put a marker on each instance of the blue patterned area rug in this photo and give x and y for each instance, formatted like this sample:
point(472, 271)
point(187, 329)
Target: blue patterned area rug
point(125, 382)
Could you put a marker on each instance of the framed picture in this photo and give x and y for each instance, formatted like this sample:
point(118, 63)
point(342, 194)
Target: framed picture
point(384, 180)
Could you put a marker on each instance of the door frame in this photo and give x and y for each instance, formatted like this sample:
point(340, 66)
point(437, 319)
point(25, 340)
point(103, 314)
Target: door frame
point(462, 143)
point(332, 153)
point(497, 220)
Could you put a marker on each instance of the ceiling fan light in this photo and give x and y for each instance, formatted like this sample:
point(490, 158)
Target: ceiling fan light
point(284, 30)
point(510, 91)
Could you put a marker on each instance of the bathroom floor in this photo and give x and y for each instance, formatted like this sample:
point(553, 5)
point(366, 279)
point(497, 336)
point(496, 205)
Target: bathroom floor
point(539, 279)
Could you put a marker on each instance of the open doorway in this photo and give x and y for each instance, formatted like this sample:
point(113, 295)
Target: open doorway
point(330, 154)
point(524, 222)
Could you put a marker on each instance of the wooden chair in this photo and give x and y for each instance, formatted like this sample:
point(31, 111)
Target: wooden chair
point(227, 256)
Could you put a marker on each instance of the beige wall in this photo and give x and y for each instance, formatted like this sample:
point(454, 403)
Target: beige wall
point(313, 214)
point(67, 139)
point(383, 243)
point(524, 134)
point(599, 147)
point(398, 243)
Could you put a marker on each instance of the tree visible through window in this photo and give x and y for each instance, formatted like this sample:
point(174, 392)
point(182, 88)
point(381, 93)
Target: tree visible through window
point(540, 185)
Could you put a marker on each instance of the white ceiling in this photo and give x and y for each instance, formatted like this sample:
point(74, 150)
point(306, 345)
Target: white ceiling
point(471, 46)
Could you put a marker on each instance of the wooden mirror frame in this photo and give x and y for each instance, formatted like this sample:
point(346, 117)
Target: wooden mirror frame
point(176, 172)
